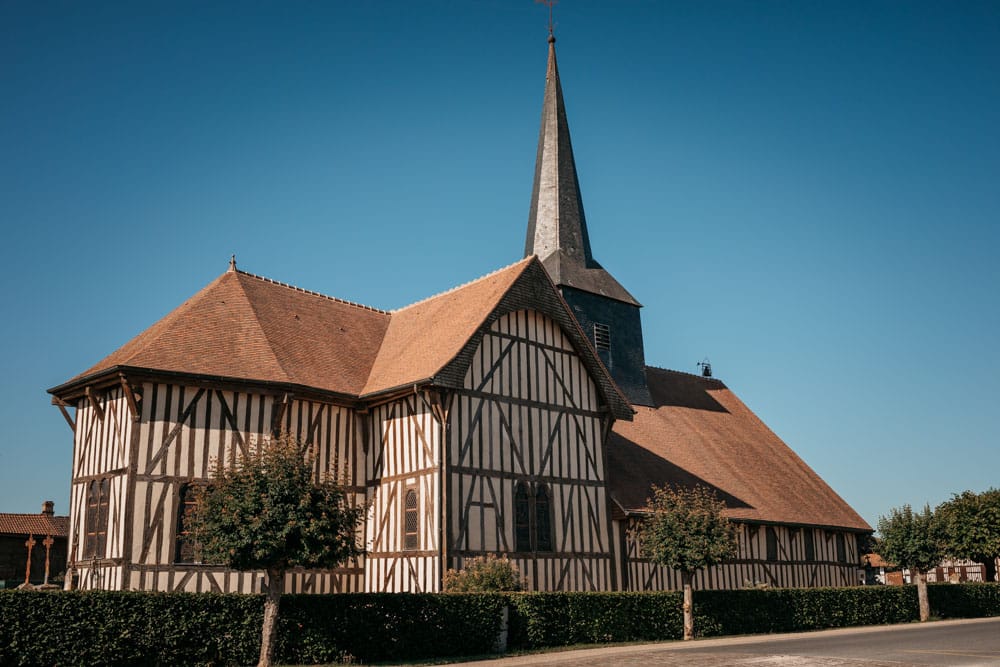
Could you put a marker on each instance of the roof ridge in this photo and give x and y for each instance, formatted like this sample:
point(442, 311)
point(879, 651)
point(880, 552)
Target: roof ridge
point(524, 260)
point(676, 372)
point(312, 292)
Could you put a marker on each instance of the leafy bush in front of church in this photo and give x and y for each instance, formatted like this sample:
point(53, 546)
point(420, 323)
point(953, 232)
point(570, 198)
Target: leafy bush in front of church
point(485, 574)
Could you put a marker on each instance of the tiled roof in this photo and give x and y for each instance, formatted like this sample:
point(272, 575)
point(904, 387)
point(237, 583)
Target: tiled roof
point(34, 524)
point(698, 431)
point(247, 327)
point(423, 337)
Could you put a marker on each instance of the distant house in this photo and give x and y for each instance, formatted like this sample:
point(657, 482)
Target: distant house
point(40, 537)
point(877, 571)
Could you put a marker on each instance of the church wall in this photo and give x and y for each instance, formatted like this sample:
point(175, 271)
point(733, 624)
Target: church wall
point(404, 484)
point(101, 457)
point(528, 414)
point(785, 565)
point(181, 434)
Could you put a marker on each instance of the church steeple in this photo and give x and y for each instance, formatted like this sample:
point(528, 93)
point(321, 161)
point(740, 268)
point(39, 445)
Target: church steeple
point(557, 226)
point(557, 234)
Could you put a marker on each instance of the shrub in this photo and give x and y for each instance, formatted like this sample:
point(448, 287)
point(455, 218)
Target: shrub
point(484, 575)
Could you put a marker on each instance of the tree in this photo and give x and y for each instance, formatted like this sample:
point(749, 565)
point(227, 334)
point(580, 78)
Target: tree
point(484, 574)
point(684, 529)
point(969, 527)
point(267, 512)
point(907, 539)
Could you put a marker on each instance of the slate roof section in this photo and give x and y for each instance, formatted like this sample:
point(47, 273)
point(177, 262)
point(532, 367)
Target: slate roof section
point(34, 524)
point(247, 327)
point(557, 226)
point(698, 431)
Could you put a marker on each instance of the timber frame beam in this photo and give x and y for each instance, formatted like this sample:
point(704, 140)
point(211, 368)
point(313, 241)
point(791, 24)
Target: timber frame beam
point(131, 396)
point(62, 405)
point(94, 403)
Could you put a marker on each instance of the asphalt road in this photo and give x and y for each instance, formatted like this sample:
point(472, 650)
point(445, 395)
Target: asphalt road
point(964, 643)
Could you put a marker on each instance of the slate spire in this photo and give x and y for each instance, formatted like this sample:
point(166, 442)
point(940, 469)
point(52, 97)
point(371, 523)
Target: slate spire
point(557, 234)
point(557, 226)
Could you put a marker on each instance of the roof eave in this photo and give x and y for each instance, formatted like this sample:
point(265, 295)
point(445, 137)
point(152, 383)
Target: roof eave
point(74, 388)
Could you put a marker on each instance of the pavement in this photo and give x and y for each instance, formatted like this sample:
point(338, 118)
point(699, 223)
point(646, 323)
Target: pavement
point(957, 643)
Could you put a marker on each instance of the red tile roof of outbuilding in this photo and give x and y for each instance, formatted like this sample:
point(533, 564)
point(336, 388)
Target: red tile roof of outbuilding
point(34, 524)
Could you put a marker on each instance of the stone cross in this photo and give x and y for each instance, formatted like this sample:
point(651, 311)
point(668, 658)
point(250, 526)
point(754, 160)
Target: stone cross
point(27, 569)
point(48, 542)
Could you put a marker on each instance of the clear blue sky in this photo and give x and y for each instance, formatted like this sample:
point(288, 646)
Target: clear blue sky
point(807, 193)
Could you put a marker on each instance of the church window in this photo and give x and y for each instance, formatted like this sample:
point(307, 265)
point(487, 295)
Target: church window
point(543, 519)
point(602, 336)
point(810, 542)
point(186, 549)
point(532, 518)
point(96, 527)
point(411, 521)
point(522, 518)
point(841, 548)
point(771, 537)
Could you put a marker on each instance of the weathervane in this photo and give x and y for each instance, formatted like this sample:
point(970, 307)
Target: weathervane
point(549, 4)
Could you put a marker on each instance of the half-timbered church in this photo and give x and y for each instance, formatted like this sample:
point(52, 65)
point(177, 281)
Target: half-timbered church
point(511, 415)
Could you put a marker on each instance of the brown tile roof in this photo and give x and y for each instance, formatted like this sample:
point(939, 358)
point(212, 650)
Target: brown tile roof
point(698, 431)
point(874, 560)
point(247, 327)
point(34, 524)
point(423, 337)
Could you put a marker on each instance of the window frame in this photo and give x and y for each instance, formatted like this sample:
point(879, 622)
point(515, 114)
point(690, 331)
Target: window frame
point(411, 518)
point(95, 525)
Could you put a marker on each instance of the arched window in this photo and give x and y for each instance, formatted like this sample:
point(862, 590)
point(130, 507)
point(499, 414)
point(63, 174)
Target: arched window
point(96, 526)
point(522, 518)
point(186, 549)
point(543, 519)
point(411, 521)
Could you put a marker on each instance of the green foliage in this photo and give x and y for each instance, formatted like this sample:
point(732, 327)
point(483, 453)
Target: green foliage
point(123, 628)
point(269, 512)
point(166, 629)
point(131, 628)
point(969, 525)
point(484, 574)
point(685, 529)
point(907, 538)
point(562, 619)
point(965, 600)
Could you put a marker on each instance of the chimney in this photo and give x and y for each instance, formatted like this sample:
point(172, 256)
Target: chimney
point(48, 508)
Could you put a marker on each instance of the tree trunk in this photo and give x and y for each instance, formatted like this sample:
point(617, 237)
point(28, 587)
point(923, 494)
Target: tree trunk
point(275, 583)
point(925, 607)
point(686, 578)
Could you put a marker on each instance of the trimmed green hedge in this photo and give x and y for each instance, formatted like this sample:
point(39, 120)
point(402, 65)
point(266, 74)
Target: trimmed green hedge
point(122, 628)
point(561, 619)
